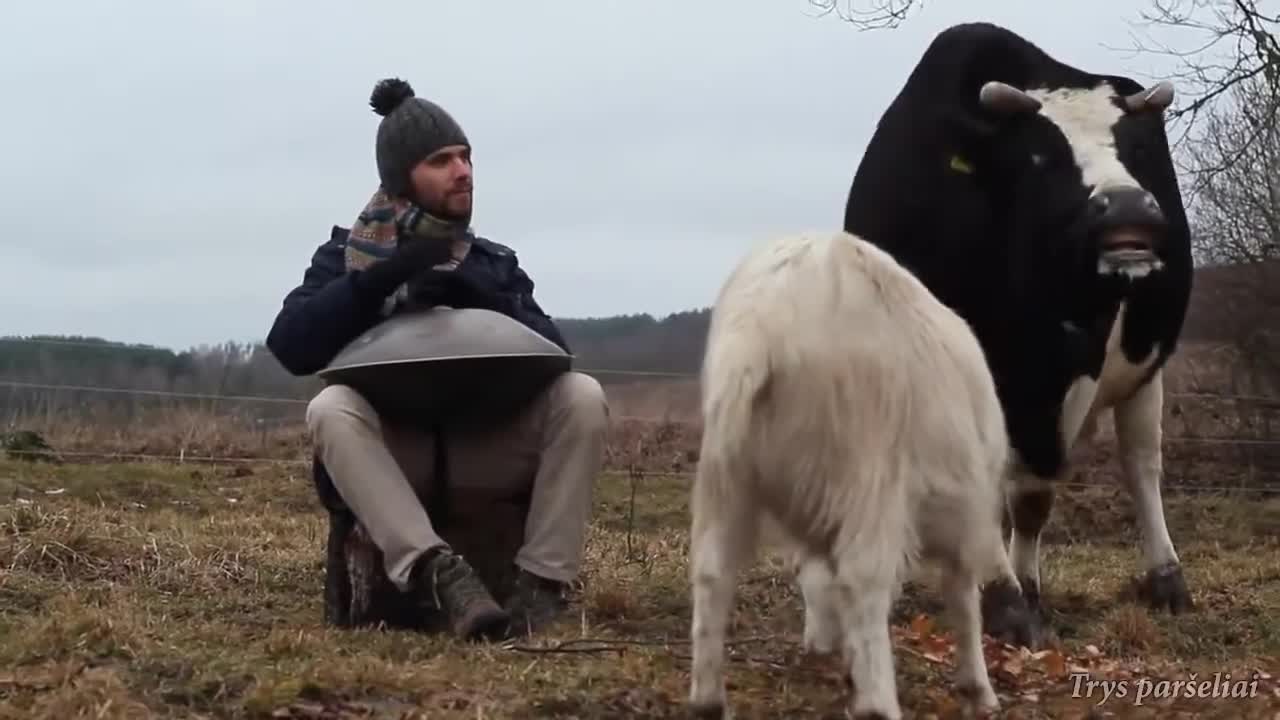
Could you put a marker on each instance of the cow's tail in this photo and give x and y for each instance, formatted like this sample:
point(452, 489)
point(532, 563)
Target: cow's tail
point(735, 377)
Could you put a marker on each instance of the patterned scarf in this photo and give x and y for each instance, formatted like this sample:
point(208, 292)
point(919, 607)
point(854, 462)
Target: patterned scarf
point(379, 227)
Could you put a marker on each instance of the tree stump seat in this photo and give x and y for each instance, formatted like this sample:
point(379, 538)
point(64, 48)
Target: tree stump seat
point(484, 528)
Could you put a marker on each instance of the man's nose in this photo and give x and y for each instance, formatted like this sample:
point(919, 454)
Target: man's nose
point(1125, 206)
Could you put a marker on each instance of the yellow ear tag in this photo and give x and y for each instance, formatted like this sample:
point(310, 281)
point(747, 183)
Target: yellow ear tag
point(960, 165)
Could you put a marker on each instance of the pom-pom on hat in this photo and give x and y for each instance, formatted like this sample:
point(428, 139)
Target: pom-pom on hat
point(411, 129)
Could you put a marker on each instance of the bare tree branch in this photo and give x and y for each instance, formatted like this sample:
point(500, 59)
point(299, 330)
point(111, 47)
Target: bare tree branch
point(884, 14)
point(1234, 41)
point(1234, 166)
point(1222, 43)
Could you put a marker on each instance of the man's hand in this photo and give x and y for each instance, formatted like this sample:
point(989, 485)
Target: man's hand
point(456, 289)
point(411, 257)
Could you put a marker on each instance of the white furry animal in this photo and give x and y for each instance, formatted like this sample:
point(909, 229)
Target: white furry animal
point(847, 408)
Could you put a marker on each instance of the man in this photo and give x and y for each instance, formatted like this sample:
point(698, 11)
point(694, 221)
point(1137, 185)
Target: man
point(412, 245)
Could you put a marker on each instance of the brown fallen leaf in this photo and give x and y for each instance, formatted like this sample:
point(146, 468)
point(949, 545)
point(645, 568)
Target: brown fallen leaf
point(1008, 672)
point(922, 625)
point(1055, 664)
point(946, 706)
point(300, 710)
point(939, 644)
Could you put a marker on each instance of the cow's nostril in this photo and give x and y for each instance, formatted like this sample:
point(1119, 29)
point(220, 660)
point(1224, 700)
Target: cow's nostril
point(1125, 206)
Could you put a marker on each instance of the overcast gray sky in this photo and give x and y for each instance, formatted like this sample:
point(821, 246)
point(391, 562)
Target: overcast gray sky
point(169, 166)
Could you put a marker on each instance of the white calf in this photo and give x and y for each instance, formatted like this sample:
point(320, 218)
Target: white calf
point(846, 406)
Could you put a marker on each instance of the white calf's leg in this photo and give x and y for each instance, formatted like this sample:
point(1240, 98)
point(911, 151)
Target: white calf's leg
point(723, 538)
point(864, 603)
point(823, 631)
point(961, 530)
point(979, 553)
point(863, 590)
point(1138, 433)
point(960, 590)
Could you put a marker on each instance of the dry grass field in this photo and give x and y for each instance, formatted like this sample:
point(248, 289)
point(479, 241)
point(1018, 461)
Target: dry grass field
point(159, 590)
point(192, 589)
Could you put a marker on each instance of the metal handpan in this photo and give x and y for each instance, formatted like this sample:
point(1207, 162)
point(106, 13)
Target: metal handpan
point(447, 365)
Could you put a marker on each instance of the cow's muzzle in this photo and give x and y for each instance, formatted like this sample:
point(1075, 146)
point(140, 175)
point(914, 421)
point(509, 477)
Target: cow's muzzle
point(1128, 224)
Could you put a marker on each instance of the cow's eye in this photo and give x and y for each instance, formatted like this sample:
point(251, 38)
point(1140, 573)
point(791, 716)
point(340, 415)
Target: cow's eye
point(1039, 160)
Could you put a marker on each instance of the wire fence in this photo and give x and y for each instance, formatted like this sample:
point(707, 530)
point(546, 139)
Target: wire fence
point(1260, 454)
point(1265, 490)
point(300, 402)
point(304, 461)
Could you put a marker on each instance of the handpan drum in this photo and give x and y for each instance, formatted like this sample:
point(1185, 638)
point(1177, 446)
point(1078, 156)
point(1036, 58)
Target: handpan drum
point(447, 365)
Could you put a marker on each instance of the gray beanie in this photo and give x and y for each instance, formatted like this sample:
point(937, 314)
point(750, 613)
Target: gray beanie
point(411, 129)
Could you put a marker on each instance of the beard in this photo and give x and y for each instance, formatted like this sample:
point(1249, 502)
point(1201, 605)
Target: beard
point(455, 206)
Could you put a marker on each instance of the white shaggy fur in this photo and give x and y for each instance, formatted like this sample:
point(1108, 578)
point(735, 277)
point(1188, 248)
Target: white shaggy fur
point(846, 409)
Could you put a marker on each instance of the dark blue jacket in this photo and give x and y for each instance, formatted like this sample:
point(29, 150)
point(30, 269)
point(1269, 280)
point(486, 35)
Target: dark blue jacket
point(326, 312)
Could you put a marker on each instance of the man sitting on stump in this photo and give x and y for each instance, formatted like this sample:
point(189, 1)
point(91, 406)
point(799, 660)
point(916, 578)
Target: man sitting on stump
point(412, 246)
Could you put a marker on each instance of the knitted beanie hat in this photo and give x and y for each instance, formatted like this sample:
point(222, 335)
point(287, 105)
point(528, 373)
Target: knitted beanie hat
point(411, 129)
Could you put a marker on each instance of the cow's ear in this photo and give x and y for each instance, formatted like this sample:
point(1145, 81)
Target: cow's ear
point(969, 138)
point(968, 126)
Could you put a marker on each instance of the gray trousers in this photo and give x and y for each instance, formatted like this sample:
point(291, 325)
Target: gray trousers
point(382, 471)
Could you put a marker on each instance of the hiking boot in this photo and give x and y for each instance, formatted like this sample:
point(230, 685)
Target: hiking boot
point(443, 579)
point(534, 602)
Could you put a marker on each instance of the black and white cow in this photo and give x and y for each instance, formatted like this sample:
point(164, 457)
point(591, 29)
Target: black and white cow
point(1040, 202)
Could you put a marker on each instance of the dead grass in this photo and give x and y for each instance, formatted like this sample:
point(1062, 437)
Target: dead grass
point(140, 591)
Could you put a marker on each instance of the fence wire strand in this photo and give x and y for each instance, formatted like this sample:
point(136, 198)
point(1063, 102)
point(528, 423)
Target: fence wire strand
point(612, 472)
point(18, 384)
point(23, 384)
point(143, 392)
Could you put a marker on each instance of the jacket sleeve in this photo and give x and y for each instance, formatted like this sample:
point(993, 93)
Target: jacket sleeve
point(529, 312)
point(319, 317)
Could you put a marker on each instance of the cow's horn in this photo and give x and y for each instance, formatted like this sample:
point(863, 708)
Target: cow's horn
point(1004, 98)
point(1157, 97)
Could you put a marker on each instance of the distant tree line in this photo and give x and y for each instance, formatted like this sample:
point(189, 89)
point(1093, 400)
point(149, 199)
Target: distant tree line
point(638, 342)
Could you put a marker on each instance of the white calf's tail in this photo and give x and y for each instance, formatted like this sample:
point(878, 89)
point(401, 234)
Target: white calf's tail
point(735, 373)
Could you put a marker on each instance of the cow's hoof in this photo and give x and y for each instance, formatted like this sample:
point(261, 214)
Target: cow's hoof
point(1010, 617)
point(1165, 588)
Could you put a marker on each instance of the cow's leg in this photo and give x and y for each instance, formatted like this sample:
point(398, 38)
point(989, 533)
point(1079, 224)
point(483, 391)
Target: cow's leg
point(1011, 611)
point(1138, 433)
point(1030, 503)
